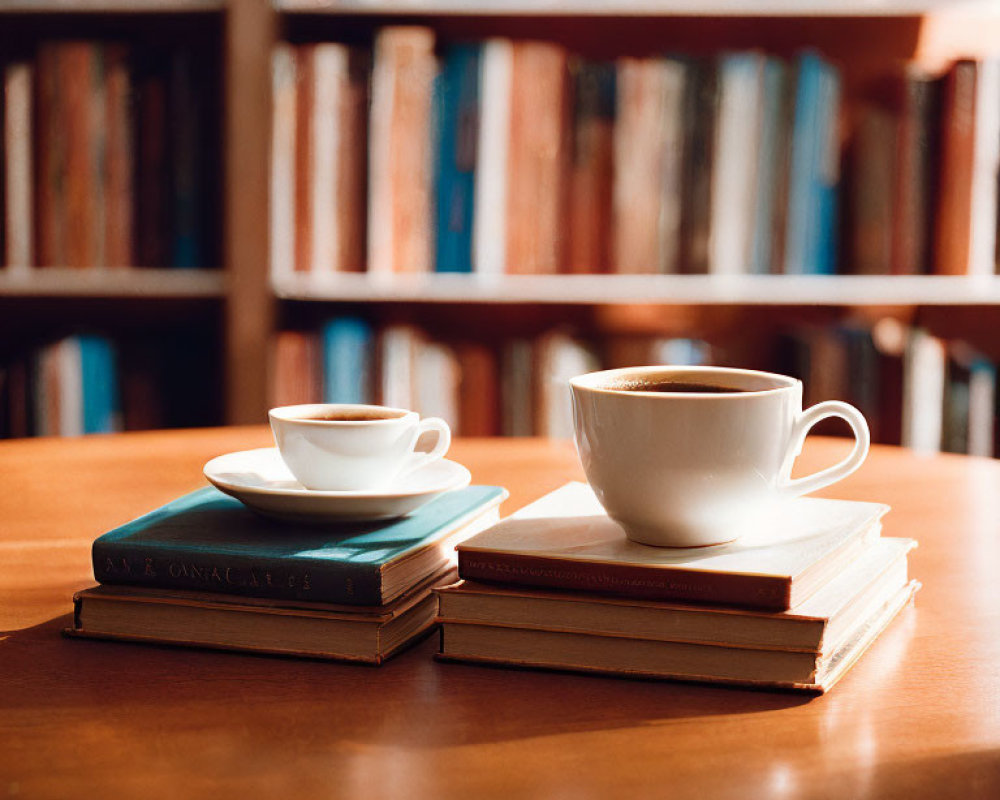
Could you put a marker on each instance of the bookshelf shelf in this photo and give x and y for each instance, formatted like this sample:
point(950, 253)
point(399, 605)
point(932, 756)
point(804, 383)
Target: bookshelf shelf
point(111, 283)
point(721, 8)
point(110, 6)
point(761, 290)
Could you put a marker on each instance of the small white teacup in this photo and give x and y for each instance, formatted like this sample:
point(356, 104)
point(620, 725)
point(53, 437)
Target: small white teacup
point(346, 447)
point(693, 456)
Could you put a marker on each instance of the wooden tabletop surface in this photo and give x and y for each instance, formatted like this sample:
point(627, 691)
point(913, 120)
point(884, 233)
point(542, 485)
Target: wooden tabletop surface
point(918, 716)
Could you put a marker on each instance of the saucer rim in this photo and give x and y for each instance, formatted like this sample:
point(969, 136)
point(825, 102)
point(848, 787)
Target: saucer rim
point(463, 477)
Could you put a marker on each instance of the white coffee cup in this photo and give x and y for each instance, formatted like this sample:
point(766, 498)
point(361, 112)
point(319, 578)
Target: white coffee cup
point(686, 468)
point(346, 447)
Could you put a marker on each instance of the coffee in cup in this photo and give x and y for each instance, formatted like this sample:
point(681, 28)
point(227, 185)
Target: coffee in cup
point(353, 447)
point(693, 456)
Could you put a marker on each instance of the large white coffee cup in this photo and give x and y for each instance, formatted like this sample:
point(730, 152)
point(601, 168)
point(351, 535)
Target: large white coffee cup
point(345, 447)
point(678, 467)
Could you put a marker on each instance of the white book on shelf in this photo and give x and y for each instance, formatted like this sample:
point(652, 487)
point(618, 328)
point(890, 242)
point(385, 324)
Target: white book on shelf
point(560, 357)
point(985, 170)
point(734, 163)
point(283, 160)
point(489, 227)
point(330, 76)
point(924, 371)
point(436, 381)
point(397, 356)
point(17, 166)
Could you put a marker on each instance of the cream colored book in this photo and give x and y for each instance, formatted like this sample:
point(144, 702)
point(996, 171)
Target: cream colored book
point(565, 540)
point(201, 619)
point(819, 625)
point(616, 655)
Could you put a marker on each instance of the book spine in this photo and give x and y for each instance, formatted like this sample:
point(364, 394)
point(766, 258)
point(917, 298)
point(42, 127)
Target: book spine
point(954, 217)
point(18, 137)
point(234, 574)
point(458, 130)
point(750, 591)
point(283, 152)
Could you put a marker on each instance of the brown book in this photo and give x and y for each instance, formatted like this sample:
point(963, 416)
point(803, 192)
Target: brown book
point(537, 164)
point(400, 181)
point(50, 150)
point(304, 152)
point(19, 251)
point(817, 625)
point(954, 206)
point(296, 369)
point(368, 634)
point(700, 106)
point(79, 84)
point(479, 391)
point(872, 192)
point(592, 170)
point(119, 194)
point(565, 540)
point(915, 178)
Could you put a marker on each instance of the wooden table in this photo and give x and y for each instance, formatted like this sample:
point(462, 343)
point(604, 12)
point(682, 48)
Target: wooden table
point(918, 716)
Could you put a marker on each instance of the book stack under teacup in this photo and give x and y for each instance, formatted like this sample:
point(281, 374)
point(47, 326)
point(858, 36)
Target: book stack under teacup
point(792, 604)
point(206, 571)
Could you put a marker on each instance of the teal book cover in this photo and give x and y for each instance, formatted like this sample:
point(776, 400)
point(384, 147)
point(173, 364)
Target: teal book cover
point(208, 541)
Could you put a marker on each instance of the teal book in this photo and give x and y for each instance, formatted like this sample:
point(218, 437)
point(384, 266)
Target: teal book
point(208, 541)
point(458, 129)
point(347, 361)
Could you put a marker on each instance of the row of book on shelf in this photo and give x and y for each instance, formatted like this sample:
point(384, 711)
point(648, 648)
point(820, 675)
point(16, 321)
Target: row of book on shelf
point(93, 383)
point(554, 586)
point(515, 156)
point(913, 387)
point(110, 156)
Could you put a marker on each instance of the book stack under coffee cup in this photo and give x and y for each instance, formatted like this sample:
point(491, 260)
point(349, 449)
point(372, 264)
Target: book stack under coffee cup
point(792, 604)
point(206, 571)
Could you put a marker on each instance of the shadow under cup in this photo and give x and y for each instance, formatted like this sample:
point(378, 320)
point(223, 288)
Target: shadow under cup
point(695, 456)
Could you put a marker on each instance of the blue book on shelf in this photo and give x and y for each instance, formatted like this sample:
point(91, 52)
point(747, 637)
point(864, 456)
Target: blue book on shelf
point(99, 378)
point(347, 344)
point(810, 241)
point(208, 541)
point(458, 129)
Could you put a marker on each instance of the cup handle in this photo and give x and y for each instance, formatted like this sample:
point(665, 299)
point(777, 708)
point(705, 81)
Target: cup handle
point(440, 446)
point(805, 421)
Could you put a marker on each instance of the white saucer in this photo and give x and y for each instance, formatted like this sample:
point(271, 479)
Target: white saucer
point(260, 480)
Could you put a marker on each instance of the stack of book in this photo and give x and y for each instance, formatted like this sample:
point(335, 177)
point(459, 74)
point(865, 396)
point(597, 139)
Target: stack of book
point(792, 605)
point(204, 571)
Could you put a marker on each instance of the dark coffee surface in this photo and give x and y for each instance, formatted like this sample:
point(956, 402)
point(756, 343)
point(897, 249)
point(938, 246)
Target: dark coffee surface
point(352, 416)
point(680, 387)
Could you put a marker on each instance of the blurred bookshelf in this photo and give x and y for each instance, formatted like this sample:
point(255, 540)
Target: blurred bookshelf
point(382, 318)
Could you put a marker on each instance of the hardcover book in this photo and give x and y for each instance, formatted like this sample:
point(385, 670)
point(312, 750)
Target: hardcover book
point(208, 541)
point(565, 540)
point(818, 625)
point(633, 657)
point(200, 619)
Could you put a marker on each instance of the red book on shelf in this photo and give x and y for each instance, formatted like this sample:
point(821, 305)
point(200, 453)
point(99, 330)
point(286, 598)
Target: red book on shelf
point(537, 165)
point(304, 97)
point(479, 391)
point(296, 369)
point(954, 207)
point(50, 147)
point(119, 194)
point(152, 175)
point(79, 86)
